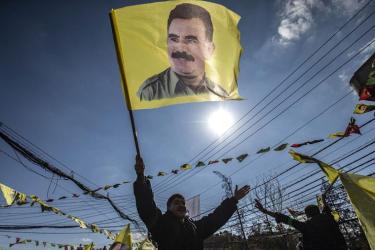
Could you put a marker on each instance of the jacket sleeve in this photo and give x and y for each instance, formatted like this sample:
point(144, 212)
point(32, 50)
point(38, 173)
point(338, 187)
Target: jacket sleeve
point(146, 206)
point(215, 220)
point(300, 226)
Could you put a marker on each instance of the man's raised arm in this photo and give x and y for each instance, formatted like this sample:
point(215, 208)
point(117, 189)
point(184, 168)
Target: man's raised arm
point(215, 220)
point(281, 218)
point(144, 197)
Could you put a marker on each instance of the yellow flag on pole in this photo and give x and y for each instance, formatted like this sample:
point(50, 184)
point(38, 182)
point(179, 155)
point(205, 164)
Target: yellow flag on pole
point(124, 237)
point(175, 52)
point(361, 191)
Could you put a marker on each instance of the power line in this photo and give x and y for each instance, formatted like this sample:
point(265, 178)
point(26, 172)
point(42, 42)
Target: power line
point(298, 99)
point(278, 85)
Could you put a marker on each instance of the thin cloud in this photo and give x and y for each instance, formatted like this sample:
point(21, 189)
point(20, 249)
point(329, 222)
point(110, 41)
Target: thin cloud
point(296, 20)
point(346, 7)
point(297, 16)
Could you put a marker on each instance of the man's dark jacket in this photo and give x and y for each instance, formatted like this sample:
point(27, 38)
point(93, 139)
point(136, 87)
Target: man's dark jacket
point(321, 232)
point(169, 232)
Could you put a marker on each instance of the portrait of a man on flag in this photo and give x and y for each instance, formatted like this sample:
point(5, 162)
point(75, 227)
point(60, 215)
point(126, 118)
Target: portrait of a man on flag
point(190, 44)
point(177, 52)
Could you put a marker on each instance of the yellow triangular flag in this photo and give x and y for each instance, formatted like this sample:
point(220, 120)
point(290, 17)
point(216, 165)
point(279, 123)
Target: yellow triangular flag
point(124, 237)
point(146, 244)
point(337, 134)
point(331, 173)
point(9, 194)
point(361, 191)
point(185, 167)
point(88, 247)
point(301, 158)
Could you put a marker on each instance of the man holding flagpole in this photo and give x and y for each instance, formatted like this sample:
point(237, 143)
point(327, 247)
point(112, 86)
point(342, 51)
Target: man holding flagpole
point(173, 230)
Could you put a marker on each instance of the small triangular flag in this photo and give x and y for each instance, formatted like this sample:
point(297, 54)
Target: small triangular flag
point(263, 150)
point(200, 164)
point(124, 237)
point(281, 147)
point(226, 160)
point(185, 166)
point(162, 174)
point(242, 157)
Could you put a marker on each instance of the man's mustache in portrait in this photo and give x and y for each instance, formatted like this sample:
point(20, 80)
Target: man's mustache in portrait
point(183, 55)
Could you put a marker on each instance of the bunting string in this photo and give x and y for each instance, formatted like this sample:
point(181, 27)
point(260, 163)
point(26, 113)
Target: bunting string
point(12, 197)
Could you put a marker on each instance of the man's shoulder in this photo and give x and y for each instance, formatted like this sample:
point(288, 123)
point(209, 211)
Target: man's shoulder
point(155, 79)
point(216, 88)
point(150, 86)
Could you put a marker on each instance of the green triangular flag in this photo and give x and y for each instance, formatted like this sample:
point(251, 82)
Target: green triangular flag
point(242, 157)
point(226, 160)
point(200, 164)
point(263, 150)
point(281, 147)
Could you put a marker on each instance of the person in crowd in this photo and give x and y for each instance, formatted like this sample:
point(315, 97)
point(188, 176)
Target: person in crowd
point(319, 231)
point(174, 230)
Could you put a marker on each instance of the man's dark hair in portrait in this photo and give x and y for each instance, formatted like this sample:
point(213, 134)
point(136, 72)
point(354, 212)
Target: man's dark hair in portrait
point(190, 44)
point(174, 230)
point(320, 231)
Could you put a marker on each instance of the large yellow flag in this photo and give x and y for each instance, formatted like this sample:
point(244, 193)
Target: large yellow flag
point(124, 237)
point(361, 191)
point(177, 52)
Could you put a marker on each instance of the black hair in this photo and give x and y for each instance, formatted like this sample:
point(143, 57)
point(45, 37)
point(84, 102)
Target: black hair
point(189, 11)
point(169, 201)
point(312, 210)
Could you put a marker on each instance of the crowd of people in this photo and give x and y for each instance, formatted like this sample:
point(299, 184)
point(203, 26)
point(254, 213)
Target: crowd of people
point(174, 230)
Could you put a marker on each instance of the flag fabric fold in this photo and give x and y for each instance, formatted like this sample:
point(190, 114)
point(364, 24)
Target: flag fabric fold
point(361, 192)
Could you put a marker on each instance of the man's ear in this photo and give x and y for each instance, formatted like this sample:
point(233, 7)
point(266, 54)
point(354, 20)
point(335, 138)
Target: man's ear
point(210, 48)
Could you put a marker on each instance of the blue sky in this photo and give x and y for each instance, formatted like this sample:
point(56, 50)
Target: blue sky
point(60, 89)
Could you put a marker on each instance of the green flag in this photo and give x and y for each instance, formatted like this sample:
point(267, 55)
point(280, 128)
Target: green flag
point(263, 150)
point(242, 157)
point(226, 160)
point(200, 164)
point(281, 147)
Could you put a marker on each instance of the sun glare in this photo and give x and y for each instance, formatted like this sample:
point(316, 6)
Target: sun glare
point(219, 121)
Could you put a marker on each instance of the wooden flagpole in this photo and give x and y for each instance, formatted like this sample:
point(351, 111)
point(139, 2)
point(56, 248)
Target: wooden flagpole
point(125, 86)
